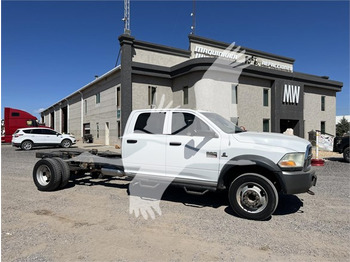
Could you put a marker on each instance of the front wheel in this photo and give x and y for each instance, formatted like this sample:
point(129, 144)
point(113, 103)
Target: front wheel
point(66, 143)
point(346, 154)
point(253, 196)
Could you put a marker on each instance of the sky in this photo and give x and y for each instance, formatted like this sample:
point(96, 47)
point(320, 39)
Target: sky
point(51, 49)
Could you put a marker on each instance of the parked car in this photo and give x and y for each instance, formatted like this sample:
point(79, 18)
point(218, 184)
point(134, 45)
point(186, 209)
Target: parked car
point(341, 145)
point(27, 138)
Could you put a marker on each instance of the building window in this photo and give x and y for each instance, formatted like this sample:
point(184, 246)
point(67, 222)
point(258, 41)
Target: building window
point(234, 97)
point(323, 103)
point(98, 98)
point(185, 95)
point(266, 97)
point(118, 98)
point(52, 120)
point(323, 127)
point(151, 95)
point(119, 129)
point(85, 106)
point(266, 125)
point(86, 127)
point(97, 130)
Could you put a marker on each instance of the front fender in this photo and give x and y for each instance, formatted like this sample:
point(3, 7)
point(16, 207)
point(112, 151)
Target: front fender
point(251, 162)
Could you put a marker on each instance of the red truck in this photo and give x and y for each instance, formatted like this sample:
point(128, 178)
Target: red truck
point(14, 119)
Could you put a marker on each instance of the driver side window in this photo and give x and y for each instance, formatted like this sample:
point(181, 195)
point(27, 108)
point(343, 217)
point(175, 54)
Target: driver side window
point(187, 124)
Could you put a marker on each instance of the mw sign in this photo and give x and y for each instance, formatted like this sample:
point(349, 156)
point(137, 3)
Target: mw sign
point(291, 94)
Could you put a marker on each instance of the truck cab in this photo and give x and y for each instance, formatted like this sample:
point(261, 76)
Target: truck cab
point(15, 119)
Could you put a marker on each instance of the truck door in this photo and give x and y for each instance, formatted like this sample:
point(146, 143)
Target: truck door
point(144, 145)
point(192, 150)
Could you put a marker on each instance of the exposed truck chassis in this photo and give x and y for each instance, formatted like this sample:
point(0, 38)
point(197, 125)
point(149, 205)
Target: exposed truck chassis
point(54, 169)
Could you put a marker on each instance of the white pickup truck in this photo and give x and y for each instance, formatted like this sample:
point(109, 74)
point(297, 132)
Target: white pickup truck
point(199, 151)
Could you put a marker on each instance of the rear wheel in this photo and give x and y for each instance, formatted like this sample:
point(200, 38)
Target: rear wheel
point(27, 145)
point(65, 171)
point(66, 143)
point(346, 154)
point(47, 174)
point(253, 196)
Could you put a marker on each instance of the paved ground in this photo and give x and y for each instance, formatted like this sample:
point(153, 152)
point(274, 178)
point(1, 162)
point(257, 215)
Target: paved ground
point(89, 221)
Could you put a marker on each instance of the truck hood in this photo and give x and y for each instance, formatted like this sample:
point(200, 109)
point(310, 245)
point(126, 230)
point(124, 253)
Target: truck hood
point(293, 143)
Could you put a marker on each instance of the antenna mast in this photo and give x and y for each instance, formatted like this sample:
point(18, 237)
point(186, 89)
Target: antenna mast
point(193, 14)
point(126, 18)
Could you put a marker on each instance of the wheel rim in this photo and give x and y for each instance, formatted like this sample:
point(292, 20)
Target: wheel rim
point(252, 197)
point(43, 175)
point(66, 143)
point(27, 145)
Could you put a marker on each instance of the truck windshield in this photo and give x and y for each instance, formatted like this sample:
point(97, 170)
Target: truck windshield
point(223, 124)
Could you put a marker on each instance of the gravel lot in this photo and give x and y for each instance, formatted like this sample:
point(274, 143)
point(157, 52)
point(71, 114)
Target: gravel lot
point(89, 221)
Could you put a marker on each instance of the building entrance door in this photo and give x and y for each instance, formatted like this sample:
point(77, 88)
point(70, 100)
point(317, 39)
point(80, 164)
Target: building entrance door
point(107, 134)
point(289, 123)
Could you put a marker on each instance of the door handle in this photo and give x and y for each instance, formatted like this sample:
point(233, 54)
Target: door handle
point(131, 141)
point(175, 143)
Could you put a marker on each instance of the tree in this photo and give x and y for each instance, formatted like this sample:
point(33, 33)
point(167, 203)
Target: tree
point(342, 127)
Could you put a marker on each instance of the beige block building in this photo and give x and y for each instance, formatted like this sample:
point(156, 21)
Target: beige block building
point(254, 89)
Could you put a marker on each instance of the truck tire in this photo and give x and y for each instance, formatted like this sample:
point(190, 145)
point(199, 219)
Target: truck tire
point(346, 155)
point(66, 143)
point(65, 172)
point(27, 145)
point(47, 174)
point(253, 196)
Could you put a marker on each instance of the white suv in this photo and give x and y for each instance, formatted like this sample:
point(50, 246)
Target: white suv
point(26, 138)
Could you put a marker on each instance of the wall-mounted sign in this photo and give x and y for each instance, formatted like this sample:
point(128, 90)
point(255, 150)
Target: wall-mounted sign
point(200, 51)
point(277, 66)
point(291, 94)
point(206, 52)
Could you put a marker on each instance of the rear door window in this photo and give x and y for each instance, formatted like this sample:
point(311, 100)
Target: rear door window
point(37, 131)
point(150, 123)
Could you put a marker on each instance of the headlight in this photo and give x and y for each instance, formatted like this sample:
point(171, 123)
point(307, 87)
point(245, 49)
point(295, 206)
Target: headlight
point(292, 160)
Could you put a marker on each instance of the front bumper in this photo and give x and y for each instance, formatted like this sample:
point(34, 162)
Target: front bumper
point(298, 181)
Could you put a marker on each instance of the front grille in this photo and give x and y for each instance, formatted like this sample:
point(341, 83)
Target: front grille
point(308, 157)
